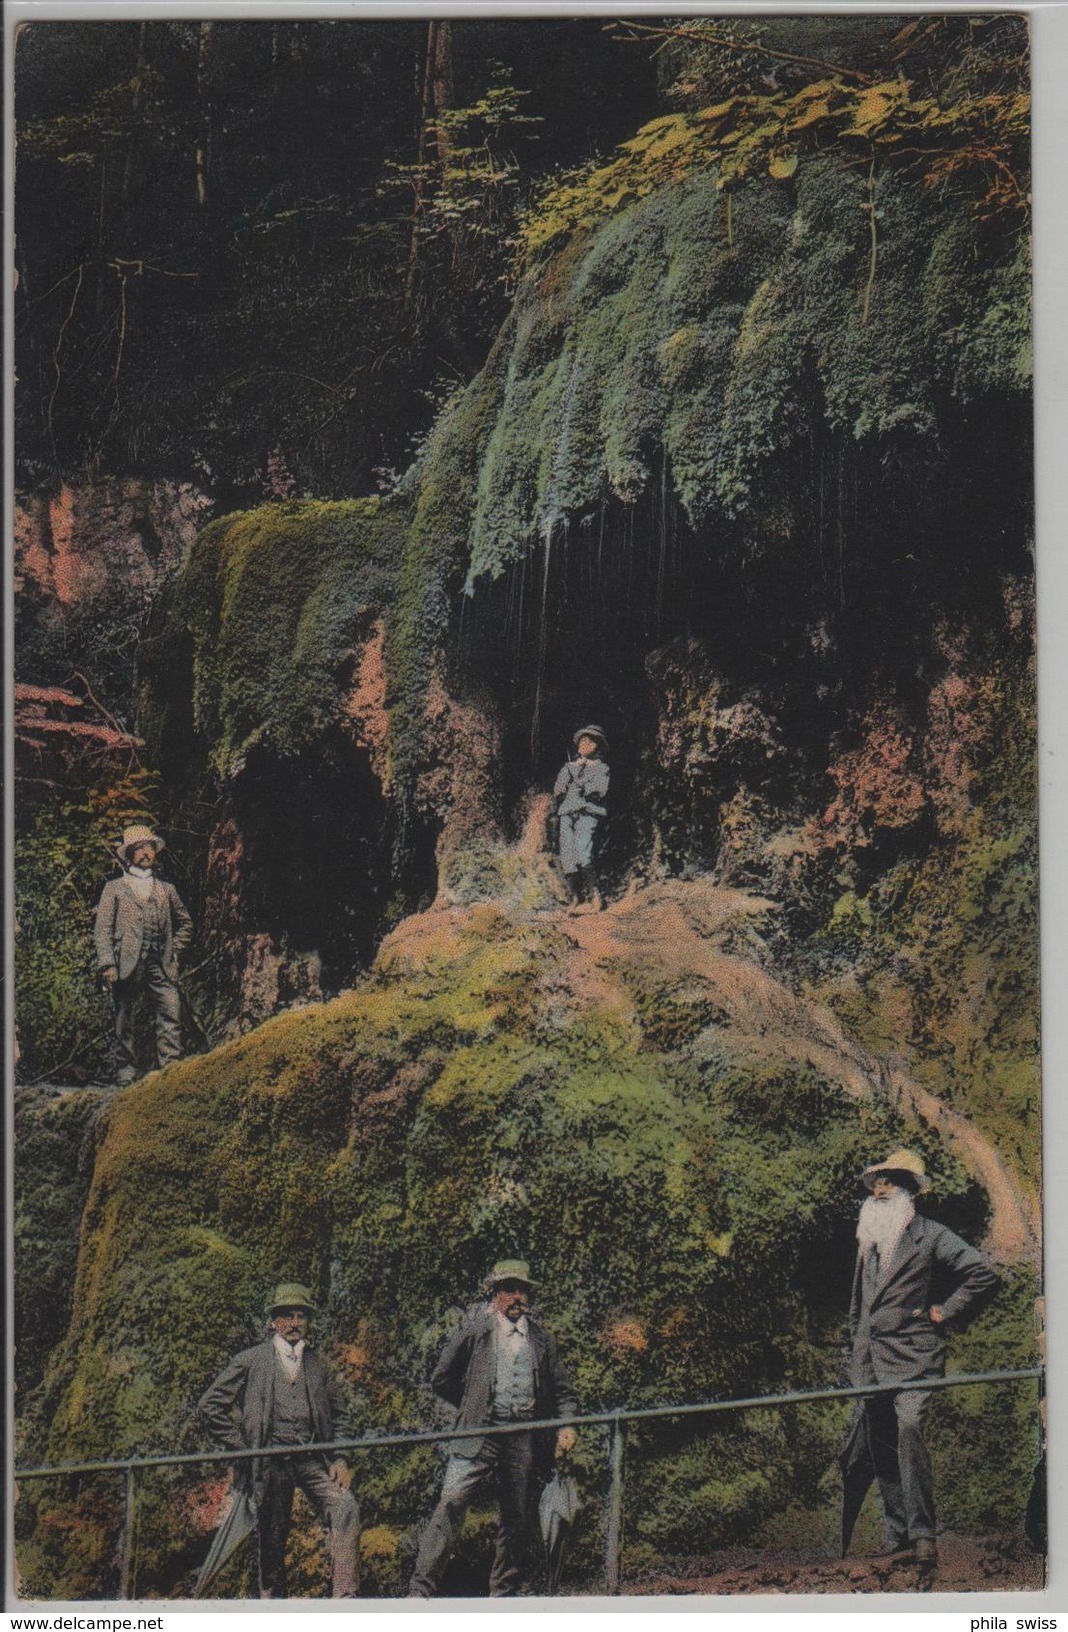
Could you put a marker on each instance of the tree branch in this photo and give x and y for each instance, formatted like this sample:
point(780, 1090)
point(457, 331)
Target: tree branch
point(59, 343)
point(874, 252)
point(644, 31)
point(97, 704)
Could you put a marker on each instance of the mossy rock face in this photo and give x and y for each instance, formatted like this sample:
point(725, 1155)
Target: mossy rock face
point(689, 1215)
point(274, 601)
point(664, 348)
point(55, 1141)
point(667, 337)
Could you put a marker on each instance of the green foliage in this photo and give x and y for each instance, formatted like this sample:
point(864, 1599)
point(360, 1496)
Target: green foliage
point(63, 854)
point(54, 1148)
point(718, 341)
point(965, 131)
point(989, 1493)
point(466, 184)
point(278, 601)
point(939, 956)
point(442, 487)
point(278, 303)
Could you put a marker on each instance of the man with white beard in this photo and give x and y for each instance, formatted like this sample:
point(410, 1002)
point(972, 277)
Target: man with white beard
point(913, 1280)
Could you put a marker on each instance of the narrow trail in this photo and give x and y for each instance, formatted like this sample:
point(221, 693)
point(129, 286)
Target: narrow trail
point(706, 934)
point(700, 941)
point(965, 1564)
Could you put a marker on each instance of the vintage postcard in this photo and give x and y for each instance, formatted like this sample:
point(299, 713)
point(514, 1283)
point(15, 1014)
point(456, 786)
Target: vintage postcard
point(524, 716)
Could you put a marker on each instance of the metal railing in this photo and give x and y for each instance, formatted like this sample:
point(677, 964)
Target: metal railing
point(616, 1421)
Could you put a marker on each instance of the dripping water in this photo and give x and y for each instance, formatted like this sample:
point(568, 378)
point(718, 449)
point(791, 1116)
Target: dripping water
point(535, 723)
point(517, 648)
point(661, 566)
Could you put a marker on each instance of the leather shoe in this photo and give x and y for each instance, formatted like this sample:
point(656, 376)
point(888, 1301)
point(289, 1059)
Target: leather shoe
point(896, 1549)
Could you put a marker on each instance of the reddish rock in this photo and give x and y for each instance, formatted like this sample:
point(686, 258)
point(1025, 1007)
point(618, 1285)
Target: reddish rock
point(461, 780)
point(83, 544)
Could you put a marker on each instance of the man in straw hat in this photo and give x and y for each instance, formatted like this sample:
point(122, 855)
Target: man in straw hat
point(913, 1280)
point(580, 791)
point(499, 1366)
point(141, 930)
point(281, 1393)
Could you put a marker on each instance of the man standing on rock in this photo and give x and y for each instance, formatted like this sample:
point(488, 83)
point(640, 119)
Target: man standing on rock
point(281, 1393)
point(580, 791)
point(141, 930)
point(500, 1365)
point(913, 1279)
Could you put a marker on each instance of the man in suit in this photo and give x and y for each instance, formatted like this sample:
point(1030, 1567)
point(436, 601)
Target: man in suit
point(280, 1393)
point(141, 930)
point(580, 791)
point(500, 1365)
point(913, 1280)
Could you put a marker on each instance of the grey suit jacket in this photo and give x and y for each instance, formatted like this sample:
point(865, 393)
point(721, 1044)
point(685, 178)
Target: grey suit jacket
point(894, 1337)
point(238, 1408)
point(465, 1376)
point(119, 928)
point(581, 787)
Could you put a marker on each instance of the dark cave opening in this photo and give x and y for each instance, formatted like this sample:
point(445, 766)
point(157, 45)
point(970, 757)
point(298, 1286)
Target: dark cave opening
point(316, 836)
point(829, 593)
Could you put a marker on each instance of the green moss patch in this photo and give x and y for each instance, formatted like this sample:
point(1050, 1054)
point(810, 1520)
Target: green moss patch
point(277, 601)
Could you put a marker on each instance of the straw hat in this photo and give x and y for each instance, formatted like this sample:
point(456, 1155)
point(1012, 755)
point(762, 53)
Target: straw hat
point(509, 1269)
point(133, 836)
point(904, 1167)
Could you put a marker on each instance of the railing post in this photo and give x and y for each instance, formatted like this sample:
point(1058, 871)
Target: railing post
point(126, 1548)
point(614, 1533)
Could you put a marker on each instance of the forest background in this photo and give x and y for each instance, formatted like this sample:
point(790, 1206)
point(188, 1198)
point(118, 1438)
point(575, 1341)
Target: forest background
point(721, 435)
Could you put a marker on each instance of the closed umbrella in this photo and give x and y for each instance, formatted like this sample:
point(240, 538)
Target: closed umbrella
point(556, 1510)
point(858, 1472)
point(236, 1526)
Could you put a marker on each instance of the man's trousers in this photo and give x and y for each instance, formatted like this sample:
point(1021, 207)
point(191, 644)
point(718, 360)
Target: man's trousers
point(505, 1462)
point(148, 976)
point(336, 1508)
point(902, 1464)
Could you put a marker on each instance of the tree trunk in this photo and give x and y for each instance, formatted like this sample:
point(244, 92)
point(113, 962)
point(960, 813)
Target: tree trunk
point(436, 97)
point(437, 87)
point(138, 98)
point(203, 149)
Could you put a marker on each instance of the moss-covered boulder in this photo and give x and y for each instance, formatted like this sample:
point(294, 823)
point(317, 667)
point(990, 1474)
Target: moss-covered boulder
point(55, 1145)
point(633, 1101)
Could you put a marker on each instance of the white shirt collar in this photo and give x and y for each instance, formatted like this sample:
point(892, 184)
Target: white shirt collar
point(290, 1354)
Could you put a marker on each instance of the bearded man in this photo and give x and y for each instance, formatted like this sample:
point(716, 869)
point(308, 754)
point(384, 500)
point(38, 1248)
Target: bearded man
point(141, 930)
point(913, 1280)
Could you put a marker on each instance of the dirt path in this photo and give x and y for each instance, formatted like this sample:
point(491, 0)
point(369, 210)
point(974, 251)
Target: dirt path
point(703, 941)
point(965, 1564)
point(698, 931)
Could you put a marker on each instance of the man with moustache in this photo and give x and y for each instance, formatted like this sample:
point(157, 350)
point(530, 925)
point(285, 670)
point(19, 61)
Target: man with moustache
point(913, 1280)
point(500, 1365)
point(141, 930)
point(280, 1392)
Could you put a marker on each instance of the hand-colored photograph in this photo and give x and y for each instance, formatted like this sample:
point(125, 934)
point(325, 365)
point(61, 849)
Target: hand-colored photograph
point(525, 917)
